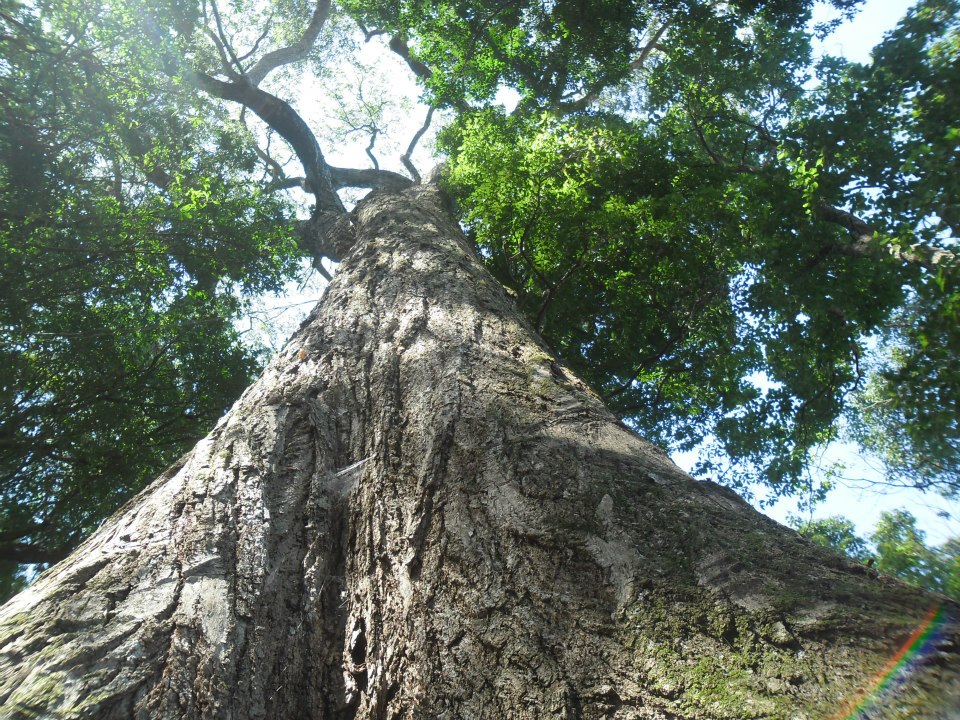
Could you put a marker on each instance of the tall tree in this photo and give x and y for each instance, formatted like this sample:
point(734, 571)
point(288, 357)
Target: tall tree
point(681, 140)
point(419, 509)
point(418, 512)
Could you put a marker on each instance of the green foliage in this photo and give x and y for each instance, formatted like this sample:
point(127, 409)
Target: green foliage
point(891, 126)
point(835, 532)
point(553, 52)
point(130, 231)
point(900, 549)
point(672, 244)
point(542, 48)
point(671, 283)
point(902, 552)
point(889, 130)
point(605, 259)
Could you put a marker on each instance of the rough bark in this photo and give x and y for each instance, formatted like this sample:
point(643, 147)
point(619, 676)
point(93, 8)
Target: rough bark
point(417, 512)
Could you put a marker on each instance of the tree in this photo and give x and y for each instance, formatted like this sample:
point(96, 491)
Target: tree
point(834, 532)
point(416, 511)
point(419, 510)
point(683, 142)
point(900, 549)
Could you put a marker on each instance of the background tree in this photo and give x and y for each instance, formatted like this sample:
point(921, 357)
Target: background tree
point(899, 549)
point(834, 532)
point(131, 228)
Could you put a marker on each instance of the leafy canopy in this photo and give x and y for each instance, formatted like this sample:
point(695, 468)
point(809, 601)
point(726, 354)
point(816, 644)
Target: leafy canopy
point(722, 237)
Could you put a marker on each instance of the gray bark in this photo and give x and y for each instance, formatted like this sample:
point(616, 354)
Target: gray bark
point(417, 512)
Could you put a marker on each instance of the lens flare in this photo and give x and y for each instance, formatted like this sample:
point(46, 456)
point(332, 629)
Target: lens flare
point(898, 668)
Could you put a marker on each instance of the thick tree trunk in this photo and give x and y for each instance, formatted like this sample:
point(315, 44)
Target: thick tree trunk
point(418, 513)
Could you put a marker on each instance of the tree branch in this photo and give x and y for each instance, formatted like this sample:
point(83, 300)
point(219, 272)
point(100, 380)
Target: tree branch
point(280, 116)
point(369, 148)
point(368, 35)
point(286, 183)
point(292, 53)
point(139, 149)
point(866, 241)
point(405, 158)
point(593, 94)
point(328, 232)
point(263, 36)
point(717, 159)
point(399, 45)
point(231, 64)
point(273, 167)
point(26, 553)
point(368, 178)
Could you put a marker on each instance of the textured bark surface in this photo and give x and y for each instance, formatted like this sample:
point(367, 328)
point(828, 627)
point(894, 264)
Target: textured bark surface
point(418, 513)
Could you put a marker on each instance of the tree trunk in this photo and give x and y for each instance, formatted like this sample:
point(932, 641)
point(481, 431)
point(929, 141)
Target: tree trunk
point(416, 512)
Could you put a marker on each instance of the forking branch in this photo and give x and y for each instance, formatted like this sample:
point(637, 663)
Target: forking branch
point(228, 57)
point(292, 53)
point(327, 233)
point(405, 158)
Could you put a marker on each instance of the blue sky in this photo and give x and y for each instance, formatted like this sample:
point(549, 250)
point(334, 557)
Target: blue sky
point(854, 40)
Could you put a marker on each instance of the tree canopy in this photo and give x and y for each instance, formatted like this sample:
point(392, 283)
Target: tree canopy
point(745, 251)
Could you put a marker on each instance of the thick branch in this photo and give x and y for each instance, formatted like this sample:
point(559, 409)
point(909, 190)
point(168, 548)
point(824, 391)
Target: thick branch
point(405, 158)
point(292, 53)
point(400, 47)
point(368, 178)
point(280, 116)
point(328, 232)
point(26, 553)
point(286, 183)
point(325, 235)
point(867, 241)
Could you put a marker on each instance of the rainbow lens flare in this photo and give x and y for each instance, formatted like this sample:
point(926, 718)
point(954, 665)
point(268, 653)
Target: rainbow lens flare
point(897, 669)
